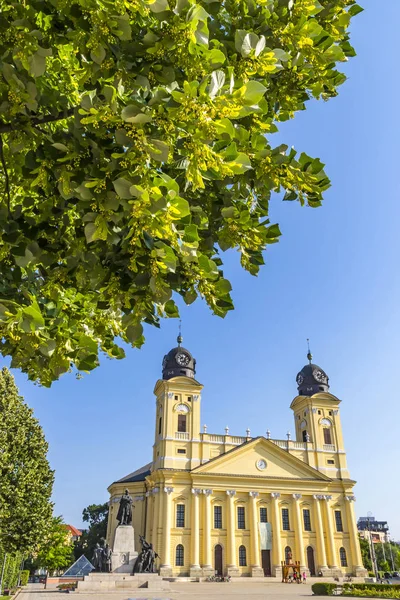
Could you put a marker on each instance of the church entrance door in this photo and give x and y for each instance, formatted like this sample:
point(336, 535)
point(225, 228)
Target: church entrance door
point(310, 560)
point(266, 562)
point(218, 559)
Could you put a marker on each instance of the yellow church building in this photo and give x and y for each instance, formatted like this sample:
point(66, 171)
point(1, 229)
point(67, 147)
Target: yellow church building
point(243, 506)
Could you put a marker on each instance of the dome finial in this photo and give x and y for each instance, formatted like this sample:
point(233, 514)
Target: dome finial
point(309, 355)
point(179, 339)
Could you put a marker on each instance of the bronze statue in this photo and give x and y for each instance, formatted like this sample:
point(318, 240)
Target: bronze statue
point(146, 559)
point(124, 516)
point(97, 559)
point(107, 558)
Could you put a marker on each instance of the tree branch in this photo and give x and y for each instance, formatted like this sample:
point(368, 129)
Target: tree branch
point(7, 181)
point(7, 127)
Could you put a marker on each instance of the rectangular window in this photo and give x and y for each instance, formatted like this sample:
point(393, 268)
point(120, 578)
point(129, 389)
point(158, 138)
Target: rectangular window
point(331, 462)
point(285, 519)
point(180, 515)
point(263, 515)
point(189, 398)
point(181, 451)
point(240, 518)
point(159, 425)
point(176, 397)
point(217, 517)
point(338, 519)
point(307, 520)
point(182, 423)
point(327, 436)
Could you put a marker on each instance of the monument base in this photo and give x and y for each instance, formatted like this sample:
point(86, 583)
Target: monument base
point(111, 582)
point(123, 556)
point(257, 572)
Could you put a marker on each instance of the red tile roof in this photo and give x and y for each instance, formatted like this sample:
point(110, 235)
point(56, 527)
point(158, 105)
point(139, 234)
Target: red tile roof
point(74, 531)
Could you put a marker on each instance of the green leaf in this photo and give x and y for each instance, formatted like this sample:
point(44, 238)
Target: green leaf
point(217, 82)
point(33, 313)
point(61, 147)
point(157, 6)
point(159, 150)
point(47, 349)
point(171, 310)
point(240, 164)
point(133, 114)
point(98, 54)
point(134, 332)
point(122, 187)
point(37, 64)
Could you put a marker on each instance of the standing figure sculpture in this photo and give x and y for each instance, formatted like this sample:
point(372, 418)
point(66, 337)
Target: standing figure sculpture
point(146, 559)
point(124, 516)
point(107, 558)
point(97, 559)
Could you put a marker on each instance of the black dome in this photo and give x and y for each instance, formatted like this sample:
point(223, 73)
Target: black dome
point(178, 363)
point(311, 380)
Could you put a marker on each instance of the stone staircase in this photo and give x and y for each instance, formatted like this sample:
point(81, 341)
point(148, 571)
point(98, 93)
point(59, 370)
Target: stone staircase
point(111, 582)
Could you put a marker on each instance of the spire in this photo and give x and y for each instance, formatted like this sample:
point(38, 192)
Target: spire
point(309, 355)
point(179, 339)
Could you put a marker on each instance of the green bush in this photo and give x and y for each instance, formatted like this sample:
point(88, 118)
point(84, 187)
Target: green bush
point(323, 589)
point(372, 593)
point(371, 586)
point(371, 573)
point(24, 577)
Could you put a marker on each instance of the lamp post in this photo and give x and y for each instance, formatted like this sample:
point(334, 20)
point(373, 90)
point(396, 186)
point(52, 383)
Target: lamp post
point(373, 557)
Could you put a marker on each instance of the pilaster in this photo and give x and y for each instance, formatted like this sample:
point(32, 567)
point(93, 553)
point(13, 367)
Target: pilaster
point(232, 567)
point(356, 558)
point(319, 533)
point(298, 526)
point(207, 566)
point(276, 534)
point(195, 570)
point(256, 570)
point(166, 569)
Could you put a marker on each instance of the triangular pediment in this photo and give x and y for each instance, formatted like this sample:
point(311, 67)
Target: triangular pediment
point(260, 458)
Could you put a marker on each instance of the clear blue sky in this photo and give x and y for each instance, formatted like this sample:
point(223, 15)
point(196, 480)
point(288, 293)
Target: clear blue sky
point(333, 277)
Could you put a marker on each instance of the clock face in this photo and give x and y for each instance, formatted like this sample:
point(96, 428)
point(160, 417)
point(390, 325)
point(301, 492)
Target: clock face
point(182, 359)
point(261, 464)
point(319, 376)
point(299, 379)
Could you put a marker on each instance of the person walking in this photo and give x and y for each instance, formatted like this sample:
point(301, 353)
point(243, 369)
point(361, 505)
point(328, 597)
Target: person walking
point(304, 577)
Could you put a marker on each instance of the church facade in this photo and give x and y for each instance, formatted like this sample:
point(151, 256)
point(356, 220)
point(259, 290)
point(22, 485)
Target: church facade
point(243, 506)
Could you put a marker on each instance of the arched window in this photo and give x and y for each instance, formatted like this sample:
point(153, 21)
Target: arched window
point(288, 555)
point(306, 437)
point(327, 436)
point(182, 423)
point(343, 557)
point(179, 555)
point(242, 556)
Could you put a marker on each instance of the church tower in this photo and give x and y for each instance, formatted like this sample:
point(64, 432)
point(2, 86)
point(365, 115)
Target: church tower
point(317, 421)
point(177, 427)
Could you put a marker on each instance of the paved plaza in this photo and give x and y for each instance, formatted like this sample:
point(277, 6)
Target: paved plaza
point(190, 591)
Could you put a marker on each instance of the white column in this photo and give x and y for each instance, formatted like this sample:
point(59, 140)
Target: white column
point(207, 529)
point(319, 533)
point(254, 541)
point(329, 535)
point(276, 531)
point(356, 558)
point(166, 557)
point(156, 506)
point(195, 534)
point(298, 527)
point(231, 529)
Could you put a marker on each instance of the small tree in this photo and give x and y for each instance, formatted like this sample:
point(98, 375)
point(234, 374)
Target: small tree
point(26, 479)
point(56, 552)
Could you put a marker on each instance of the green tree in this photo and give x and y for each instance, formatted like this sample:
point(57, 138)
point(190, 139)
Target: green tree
point(135, 147)
point(56, 552)
point(96, 515)
point(366, 554)
point(26, 479)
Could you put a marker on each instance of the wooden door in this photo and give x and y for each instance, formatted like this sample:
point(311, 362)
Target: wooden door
point(266, 562)
point(310, 560)
point(218, 559)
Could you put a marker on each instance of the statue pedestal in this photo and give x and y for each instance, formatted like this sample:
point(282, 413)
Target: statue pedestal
point(123, 556)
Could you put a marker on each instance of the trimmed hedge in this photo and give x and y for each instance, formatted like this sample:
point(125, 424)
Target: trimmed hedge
point(24, 577)
point(371, 590)
point(369, 586)
point(323, 589)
